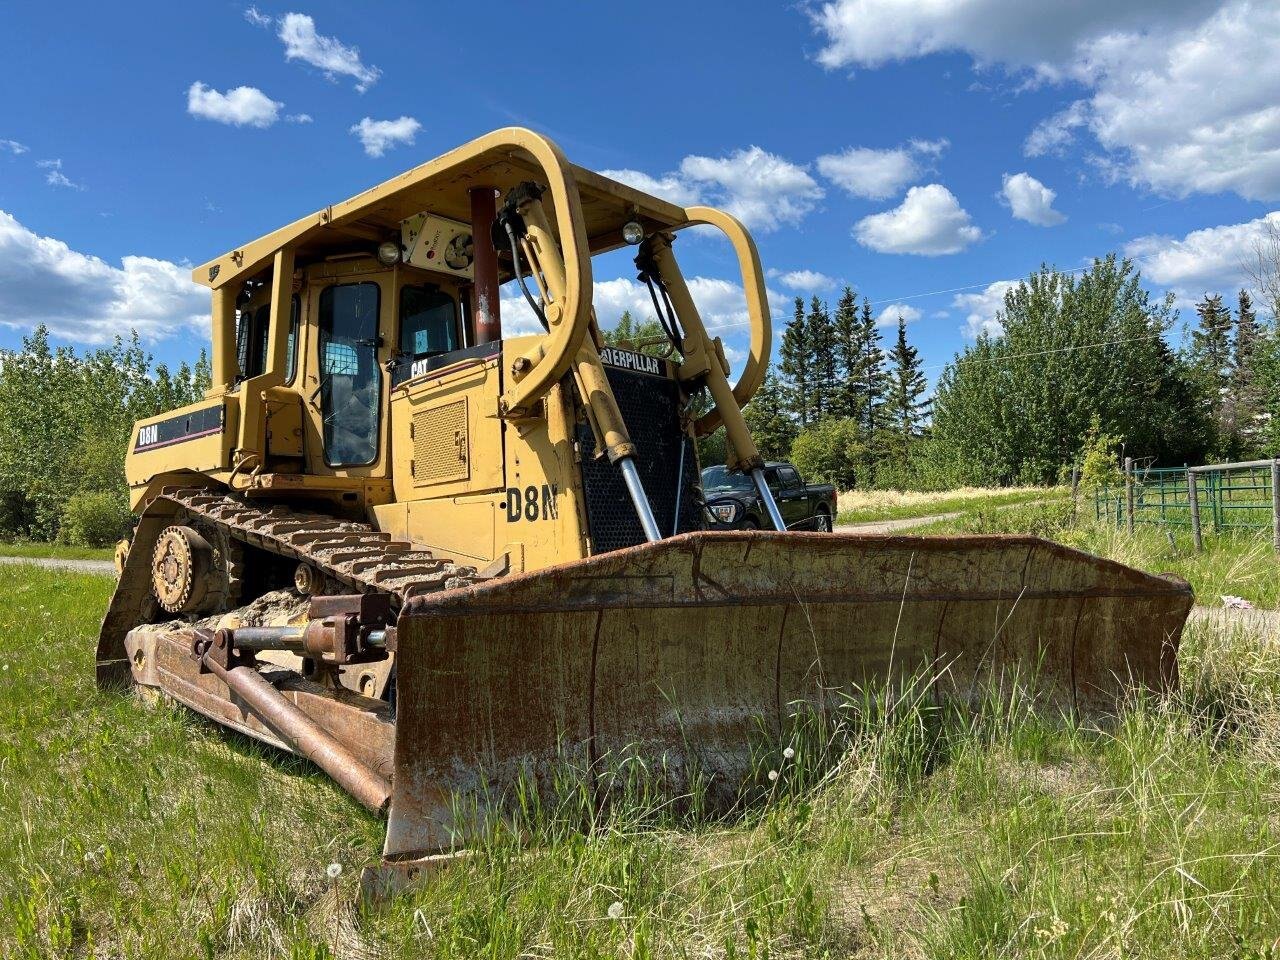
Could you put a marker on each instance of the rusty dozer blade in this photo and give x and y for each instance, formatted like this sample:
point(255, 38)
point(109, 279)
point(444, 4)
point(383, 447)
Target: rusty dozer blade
point(680, 651)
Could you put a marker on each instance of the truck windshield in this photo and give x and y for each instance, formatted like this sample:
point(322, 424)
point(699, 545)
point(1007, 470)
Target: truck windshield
point(350, 378)
point(722, 480)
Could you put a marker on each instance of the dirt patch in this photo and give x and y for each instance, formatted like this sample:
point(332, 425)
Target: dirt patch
point(277, 608)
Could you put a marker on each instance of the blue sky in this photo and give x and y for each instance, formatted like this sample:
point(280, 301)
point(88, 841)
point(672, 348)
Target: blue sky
point(924, 153)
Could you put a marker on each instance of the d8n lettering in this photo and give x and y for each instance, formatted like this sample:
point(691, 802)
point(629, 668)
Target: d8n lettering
point(532, 503)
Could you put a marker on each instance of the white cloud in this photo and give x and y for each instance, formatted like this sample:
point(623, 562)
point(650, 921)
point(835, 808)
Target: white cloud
point(1183, 96)
point(929, 222)
point(1197, 110)
point(257, 17)
point(1030, 200)
point(878, 174)
point(241, 107)
point(888, 317)
point(301, 42)
point(13, 146)
point(668, 187)
point(1055, 133)
point(761, 189)
point(1212, 259)
point(83, 298)
point(803, 281)
point(870, 33)
point(299, 118)
point(54, 176)
point(981, 308)
point(721, 304)
point(870, 174)
point(930, 148)
point(379, 136)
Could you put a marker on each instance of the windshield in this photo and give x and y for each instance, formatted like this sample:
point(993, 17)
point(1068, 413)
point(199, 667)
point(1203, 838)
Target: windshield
point(428, 321)
point(722, 480)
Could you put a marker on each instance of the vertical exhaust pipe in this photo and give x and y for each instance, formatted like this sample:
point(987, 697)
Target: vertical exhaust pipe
point(485, 302)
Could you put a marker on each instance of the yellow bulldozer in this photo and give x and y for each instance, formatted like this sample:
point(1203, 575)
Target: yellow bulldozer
point(437, 561)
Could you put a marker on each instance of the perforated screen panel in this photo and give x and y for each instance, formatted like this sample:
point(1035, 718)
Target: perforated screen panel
point(650, 407)
point(440, 444)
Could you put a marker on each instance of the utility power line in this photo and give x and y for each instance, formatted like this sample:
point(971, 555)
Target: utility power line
point(888, 301)
point(1040, 353)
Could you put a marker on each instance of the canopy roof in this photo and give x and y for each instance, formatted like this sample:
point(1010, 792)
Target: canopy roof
point(440, 186)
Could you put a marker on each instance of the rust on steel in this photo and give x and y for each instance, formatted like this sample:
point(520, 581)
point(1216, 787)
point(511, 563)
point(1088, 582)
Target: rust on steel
point(161, 657)
point(301, 733)
point(687, 648)
point(486, 303)
point(351, 554)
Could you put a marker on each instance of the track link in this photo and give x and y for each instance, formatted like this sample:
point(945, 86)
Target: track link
point(353, 554)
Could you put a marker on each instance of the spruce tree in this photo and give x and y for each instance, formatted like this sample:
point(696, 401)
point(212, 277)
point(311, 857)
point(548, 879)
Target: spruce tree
point(796, 361)
point(821, 336)
point(907, 385)
point(767, 419)
point(872, 381)
point(1211, 343)
point(847, 354)
point(1246, 393)
point(1212, 361)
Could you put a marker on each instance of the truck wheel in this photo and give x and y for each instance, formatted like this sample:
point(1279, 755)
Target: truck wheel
point(822, 521)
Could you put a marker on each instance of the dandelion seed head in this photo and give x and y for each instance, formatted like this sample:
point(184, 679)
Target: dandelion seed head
point(788, 753)
point(615, 910)
point(773, 775)
point(334, 871)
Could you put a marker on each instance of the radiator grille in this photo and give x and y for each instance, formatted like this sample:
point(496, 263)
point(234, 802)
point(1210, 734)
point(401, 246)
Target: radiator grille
point(650, 407)
point(440, 451)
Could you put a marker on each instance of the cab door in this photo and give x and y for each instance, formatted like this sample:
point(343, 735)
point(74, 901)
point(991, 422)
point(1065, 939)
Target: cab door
point(349, 395)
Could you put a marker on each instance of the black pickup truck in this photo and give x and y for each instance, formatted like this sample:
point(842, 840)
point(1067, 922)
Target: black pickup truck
point(734, 503)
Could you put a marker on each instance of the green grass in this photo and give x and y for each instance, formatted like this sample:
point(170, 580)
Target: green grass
point(1238, 563)
point(141, 831)
point(941, 504)
point(59, 551)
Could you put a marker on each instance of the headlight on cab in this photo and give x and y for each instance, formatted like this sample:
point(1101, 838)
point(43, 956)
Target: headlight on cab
point(725, 512)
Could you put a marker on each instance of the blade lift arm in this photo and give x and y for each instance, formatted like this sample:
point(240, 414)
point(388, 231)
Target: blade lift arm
point(704, 360)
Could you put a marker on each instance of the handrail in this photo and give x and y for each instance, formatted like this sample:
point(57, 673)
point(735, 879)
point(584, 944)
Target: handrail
point(559, 349)
point(757, 365)
point(567, 325)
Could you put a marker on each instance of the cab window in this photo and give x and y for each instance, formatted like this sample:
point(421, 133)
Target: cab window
point(428, 321)
point(789, 478)
point(252, 328)
point(350, 378)
point(291, 350)
point(251, 340)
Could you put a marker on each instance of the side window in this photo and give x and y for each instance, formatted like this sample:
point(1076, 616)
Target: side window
point(291, 351)
point(251, 340)
point(252, 330)
point(428, 321)
point(771, 479)
point(350, 378)
point(790, 479)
